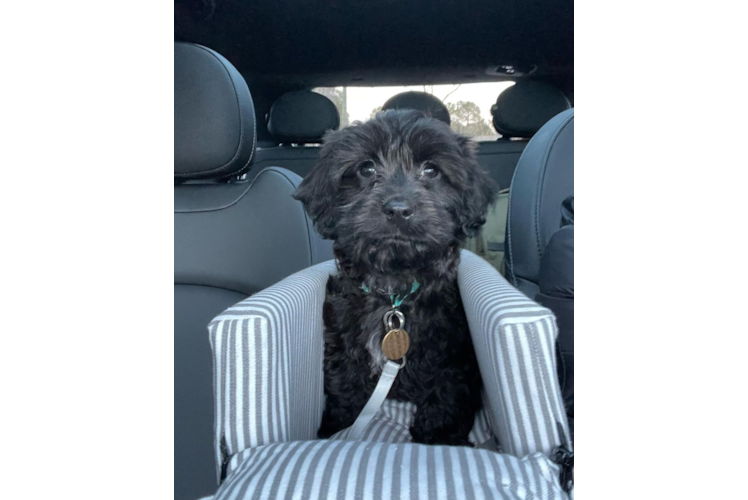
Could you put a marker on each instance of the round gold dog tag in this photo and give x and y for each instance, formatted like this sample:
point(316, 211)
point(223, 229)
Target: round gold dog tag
point(395, 344)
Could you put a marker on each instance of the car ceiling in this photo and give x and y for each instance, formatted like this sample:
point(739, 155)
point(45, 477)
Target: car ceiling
point(308, 43)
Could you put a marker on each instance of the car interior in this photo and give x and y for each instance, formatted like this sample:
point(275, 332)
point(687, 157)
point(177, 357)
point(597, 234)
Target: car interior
point(249, 119)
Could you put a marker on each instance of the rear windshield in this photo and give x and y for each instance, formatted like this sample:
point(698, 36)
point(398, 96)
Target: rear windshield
point(469, 104)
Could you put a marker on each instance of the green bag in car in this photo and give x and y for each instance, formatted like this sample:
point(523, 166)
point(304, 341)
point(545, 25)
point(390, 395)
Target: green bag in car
point(489, 243)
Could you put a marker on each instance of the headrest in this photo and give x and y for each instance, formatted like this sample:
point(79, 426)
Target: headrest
point(526, 106)
point(214, 118)
point(544, 178)
point(420, 101)
point(302, 116)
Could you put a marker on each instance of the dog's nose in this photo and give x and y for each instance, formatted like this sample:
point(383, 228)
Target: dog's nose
point(398, 208)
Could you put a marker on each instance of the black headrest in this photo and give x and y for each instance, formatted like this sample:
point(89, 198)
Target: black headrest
point(214, 117)
point(420, 101)
point(302, 116)
point(544, 178)
point(526, 106)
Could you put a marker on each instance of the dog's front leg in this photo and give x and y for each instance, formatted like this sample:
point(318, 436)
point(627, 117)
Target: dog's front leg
point(347, 387)
point(340, 412)
point(446, 415)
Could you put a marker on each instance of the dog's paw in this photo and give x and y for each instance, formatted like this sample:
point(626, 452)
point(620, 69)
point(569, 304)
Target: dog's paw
point(439, 438)
point(326, 431)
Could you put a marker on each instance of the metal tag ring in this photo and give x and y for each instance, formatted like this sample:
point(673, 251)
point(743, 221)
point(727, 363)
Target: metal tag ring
point(386, 317)
point(388, 320)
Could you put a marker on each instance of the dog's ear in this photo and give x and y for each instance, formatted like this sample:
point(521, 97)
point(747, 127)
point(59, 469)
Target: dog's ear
point(318, 189)
point(480, 191)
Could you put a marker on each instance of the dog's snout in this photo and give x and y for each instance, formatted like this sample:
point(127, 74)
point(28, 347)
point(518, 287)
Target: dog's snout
point(398, 208)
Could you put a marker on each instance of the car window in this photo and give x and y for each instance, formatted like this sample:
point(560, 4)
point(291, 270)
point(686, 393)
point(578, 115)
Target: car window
point(469, 104)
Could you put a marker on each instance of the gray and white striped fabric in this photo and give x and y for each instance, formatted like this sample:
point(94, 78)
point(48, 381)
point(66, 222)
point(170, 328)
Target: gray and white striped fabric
point(268, 352)
point(267, 365)
point(514, 339)
point(354, 469)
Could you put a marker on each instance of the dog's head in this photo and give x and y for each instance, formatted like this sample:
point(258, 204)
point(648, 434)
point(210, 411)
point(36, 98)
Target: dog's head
point(397, 191)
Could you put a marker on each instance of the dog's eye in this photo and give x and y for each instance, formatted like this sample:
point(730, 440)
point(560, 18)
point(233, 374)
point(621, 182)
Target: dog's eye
point(429, 170)
point(366, 169)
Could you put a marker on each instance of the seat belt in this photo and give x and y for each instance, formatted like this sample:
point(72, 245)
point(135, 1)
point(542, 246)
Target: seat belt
point(389, 373)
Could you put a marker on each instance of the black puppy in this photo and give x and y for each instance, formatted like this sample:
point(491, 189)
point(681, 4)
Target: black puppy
point(398, 194)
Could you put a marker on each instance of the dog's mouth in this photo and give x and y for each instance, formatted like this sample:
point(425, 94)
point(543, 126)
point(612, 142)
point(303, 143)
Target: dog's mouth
point(407, 233)
point(385, 247)
point(401, 242)
point(406, 242)
point(395, 253)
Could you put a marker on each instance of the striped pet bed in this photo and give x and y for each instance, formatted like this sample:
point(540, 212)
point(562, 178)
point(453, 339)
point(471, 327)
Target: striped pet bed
point(268, 380)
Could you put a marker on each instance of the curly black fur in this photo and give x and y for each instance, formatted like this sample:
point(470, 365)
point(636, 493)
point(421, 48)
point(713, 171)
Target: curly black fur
point(410, 158)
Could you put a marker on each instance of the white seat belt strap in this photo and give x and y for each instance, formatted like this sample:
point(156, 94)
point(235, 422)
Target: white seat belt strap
point(389, 373)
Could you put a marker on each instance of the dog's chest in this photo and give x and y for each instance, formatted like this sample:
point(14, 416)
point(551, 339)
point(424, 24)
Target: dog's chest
point(373, 328)
point(421, 327)
point(374, 347)
point(355, 326)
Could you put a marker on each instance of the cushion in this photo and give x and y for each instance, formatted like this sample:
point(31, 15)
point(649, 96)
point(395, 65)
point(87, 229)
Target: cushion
point(355, 469)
